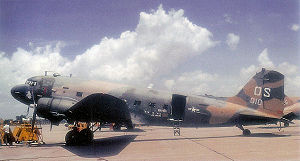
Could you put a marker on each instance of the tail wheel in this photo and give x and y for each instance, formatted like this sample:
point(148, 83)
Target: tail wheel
point(246, 132)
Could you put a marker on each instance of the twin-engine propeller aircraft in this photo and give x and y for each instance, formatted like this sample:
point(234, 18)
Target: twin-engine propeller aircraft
point(55, 97)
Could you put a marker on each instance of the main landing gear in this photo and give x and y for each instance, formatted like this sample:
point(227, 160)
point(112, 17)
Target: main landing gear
point(83, 133)
point(78, 136)
point(246, 132)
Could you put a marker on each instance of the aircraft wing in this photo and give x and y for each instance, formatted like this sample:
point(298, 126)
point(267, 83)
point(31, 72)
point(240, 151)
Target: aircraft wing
point(99, 107)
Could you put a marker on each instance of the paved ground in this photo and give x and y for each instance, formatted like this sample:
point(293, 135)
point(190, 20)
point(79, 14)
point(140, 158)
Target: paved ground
point(158, 143)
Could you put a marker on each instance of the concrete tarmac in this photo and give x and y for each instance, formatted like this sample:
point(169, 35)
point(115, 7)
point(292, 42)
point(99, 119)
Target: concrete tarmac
point(159, 143)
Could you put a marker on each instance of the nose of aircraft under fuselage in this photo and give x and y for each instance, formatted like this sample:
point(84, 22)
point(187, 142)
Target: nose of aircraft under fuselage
point(22, 93)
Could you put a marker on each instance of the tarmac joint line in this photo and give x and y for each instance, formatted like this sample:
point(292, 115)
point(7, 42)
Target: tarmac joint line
point(211, 149)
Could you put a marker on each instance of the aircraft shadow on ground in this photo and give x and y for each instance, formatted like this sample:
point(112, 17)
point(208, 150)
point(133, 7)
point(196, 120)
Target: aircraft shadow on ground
point(103, 147)
point(120, 142)
point(112, 146)
point(266, 135)
point(125, 130)
point(215, 137)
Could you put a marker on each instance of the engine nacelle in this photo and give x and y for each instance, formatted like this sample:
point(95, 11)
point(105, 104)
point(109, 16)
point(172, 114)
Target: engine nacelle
point(54, 105)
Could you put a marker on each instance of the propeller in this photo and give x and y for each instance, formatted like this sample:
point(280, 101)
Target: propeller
point(27, 111)
point(34, 111)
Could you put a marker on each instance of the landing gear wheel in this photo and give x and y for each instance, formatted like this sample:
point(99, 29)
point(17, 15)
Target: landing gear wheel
point(246, 132)
point(86, 136)
point(72, 137)
point(286, 124)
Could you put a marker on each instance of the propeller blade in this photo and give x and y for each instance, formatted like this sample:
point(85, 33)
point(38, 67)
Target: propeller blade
point(27, 111)
point(32, 95)
point(33, 119)
point(34, 112)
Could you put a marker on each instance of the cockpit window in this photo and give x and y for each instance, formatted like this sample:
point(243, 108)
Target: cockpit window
point(47, 82)
point(31, 83)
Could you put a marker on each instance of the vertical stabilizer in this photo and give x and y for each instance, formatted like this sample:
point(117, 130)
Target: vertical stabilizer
point(264, 92)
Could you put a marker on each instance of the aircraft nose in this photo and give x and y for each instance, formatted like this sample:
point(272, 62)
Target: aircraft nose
point(21, 93)
point(18, 90)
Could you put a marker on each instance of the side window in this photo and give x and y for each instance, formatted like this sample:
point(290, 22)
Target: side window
point(137, 103)
point(47, 82)
point(79, 94)
point(151, 104)
point(165, 107)
point(46, 85)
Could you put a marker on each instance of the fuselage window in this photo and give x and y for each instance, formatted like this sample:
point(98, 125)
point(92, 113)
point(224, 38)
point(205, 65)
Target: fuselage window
point(79, 94)
point(165, 107)
point(137, 103)
point(152, 104)
point(47, 82)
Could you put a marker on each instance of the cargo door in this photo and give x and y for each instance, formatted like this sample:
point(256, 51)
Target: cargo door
point(178, 107)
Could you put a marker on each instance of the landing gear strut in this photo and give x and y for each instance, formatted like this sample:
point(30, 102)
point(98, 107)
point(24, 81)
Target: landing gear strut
point(246, 132)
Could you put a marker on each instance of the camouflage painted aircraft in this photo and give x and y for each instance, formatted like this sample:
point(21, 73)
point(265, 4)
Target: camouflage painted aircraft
point(292, 111)
point(261, 101)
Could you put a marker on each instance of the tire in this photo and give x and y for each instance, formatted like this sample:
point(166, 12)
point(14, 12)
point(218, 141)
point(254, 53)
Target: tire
point(86, 136)
point(72, 138)
point(246, 132)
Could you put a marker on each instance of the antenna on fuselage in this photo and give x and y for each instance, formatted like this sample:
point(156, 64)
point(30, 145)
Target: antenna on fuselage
point(46, 72)
point(54, 74)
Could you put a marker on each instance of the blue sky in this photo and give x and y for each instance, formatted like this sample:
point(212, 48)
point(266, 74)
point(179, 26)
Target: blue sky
point(81, 24)
point(215, 46)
